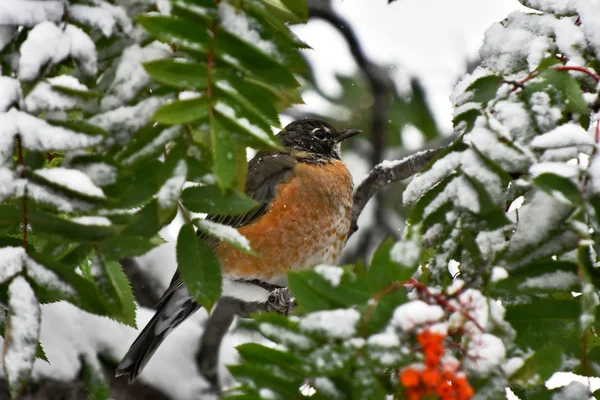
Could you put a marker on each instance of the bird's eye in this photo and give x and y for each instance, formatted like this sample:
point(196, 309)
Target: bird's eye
point(319, 134)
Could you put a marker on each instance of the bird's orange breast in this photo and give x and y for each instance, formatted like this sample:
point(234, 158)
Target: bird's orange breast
point(306, 225)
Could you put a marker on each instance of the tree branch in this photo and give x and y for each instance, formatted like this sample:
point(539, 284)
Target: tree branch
point(385, 173)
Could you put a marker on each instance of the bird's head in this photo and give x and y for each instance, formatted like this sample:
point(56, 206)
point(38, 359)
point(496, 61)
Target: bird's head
point(316, 138)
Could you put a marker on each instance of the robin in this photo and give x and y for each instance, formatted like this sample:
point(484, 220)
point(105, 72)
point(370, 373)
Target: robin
point(304, 194)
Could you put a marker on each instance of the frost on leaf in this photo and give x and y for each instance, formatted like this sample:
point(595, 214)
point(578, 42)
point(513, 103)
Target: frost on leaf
point(22, 334)
point(335, 324)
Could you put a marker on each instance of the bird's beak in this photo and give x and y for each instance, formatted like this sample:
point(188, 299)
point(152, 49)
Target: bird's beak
point(347, 134)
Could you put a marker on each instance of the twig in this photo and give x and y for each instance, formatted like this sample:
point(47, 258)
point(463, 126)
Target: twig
point(385, 173)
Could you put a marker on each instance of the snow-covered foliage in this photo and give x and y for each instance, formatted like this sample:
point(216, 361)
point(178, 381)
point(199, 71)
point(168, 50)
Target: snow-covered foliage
point(97, 141)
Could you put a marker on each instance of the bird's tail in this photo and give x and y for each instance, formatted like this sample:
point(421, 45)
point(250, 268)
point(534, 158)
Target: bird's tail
point(171, 311)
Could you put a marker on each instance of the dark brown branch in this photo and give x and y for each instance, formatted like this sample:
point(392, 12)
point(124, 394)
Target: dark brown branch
point(385, 173)
point(207, 358)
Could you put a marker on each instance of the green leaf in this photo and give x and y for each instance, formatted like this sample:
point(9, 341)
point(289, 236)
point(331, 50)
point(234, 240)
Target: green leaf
point(121, 246)
point(253, 135)
point(178, 73)
point(570, 89)
point(225, 153)
point(298, 7)
point(181, 32)
point(94, 379)
point(199, 267)
point(285, 361)
point(147, 144)
point(124, 292)
point(149, 220)
point(559, 187)
point(80, 127)
point(375, 319)
point(517, 282)
point(384, 272)
point(10, 215)
point(539, 367)
point(484, 89)
point(277, 8)
point(209, 199)
point(182, 111)
point(49, 224)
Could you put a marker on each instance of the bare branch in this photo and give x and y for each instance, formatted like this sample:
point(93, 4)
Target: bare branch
point(385, 173)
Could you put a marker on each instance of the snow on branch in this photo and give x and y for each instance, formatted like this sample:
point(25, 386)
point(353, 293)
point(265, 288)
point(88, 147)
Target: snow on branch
point(385, 173)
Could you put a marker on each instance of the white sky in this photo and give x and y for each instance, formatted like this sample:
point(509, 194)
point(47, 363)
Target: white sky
point(432, 39)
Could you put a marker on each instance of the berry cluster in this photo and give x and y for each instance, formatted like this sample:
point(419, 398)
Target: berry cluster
point(435, 376)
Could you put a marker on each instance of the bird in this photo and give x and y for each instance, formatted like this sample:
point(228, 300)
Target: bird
point(304, 195)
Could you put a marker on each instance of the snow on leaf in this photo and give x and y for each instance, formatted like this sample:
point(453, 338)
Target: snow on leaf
point(124, 120)
point(82, 49)
point(243, 27)
point(46, 43)
point(22, 333)
point(556, 168)
point(7, 33)
point(130, 76)
point(565, 135)
point(37, 134)
point(411, 314)
point(170, 191)
point(224, 232)
point(47, 278)
point(422, 182)
point(44, 98)
point(72, 179)
point(12, 260)
point(485, 353)
point(285, 336)
point(93, 220)
point(159, 141)
point(558, 280)
point(29, 13)
point(10, 93)
point(104, 16)
point(335, 324)
point(331, 273)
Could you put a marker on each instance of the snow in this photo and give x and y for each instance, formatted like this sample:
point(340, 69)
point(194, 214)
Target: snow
point(243, 27)
point(565, 135)
point(589, 13)
point(331, 273)
point(11, 93)
point(285, 336)
point(130, 75)
point(124, 119)
point(546, 115)
point(13, 259)
point(512, 365)
point(409, 315)
point(384, 339)
point(72, 179)
point(82, 49)
point(103, 16)
point(485, 353)
point(224, 232)
point(326, 386)
point(407, 252)
point(556, 168)
point(24, 320)
point(6, 36)
point(37, 134)
point(498, 274)
point(424, 181)
point(335, 324)
point(45, 43)
point(92, 220)
point(460, 192)
point(254, 130)
point(244, 291)
point(557, 280)
point(268, 394)
point(536, 219)
point(573, 391)
point(99, 172)
point(560, 7)
point(30, 13)
point(47, 278)
point(44, 98)
point(158, 142)
point(169, 192)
